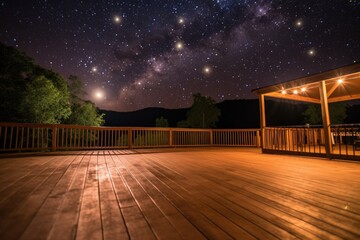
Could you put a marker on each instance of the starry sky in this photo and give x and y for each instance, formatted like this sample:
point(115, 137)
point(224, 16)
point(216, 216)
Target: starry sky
point(134, 54)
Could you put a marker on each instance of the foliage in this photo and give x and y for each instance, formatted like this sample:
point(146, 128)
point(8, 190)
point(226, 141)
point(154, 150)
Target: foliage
point(31, 93)
point(312, 114)
point(161, 122)
point(337, 112)
point(202, 114)
point(85, 114)
point(42, 102)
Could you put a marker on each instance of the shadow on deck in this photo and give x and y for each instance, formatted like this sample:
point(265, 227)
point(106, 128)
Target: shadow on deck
point(216, 193)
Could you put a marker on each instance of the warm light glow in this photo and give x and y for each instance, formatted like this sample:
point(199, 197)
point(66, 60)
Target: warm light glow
point(207, 69)
point(94, 69)
point(299, 23)
point(181, 20)
point(295, 91)
point(179, 45)
point(99, 95)
point(340, 81)
point(283, 92)
point(311, 52)
point(303, 89)
point(117, 19)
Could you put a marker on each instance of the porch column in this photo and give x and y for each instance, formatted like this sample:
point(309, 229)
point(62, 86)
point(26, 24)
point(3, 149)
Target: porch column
point(325, 118)
point(262, 120)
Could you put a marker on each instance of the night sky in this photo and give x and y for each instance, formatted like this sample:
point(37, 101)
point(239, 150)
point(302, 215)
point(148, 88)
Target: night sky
point(134, 54)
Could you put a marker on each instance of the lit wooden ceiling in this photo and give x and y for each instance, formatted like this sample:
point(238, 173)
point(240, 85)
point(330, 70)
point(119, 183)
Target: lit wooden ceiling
point(342, 84)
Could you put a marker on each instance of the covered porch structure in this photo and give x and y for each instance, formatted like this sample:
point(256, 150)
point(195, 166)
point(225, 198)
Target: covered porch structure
point(332, 141)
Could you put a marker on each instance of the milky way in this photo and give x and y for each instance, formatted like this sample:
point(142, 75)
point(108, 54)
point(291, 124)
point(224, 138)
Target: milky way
point(136, 54)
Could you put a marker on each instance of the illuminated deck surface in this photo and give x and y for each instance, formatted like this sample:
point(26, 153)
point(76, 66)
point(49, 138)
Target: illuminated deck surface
point(214, 193)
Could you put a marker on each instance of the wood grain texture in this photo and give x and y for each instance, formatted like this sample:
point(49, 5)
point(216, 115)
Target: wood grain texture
point(188, 193)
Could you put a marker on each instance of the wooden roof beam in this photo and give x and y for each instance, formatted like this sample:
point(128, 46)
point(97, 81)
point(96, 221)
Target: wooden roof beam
point(293, 97)
point(344, 98)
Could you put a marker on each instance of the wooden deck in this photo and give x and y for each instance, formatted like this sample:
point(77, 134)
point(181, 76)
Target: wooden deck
point(204, 193)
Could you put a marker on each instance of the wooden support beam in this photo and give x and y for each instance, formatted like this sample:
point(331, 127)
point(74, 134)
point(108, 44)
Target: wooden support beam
point(293, 97)
point(344, 98)
point(262, 120)
point(332, 89)
point(325, 118)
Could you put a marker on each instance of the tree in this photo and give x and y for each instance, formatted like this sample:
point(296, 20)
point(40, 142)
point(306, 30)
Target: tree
point(85, 114)
point(161, 122)
point(31, 93)
point(312, 114)
point(337, 112)
point(203, 113)
point(42, 102)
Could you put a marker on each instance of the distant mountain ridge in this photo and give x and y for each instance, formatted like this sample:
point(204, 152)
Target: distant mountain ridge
point(243, 113)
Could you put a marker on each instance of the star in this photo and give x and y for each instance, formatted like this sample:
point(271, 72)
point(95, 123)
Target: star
point(117, 19)
point(179, 45)
point(181, 20)
point(299, 23)
point(207, 70)
point(311, 52)
point(94, 69)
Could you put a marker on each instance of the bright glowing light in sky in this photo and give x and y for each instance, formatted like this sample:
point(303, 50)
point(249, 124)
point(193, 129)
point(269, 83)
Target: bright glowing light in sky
point(99, 94)
point(179, 45)
point(207, 69)
point(94, 69)
point(117, 19)
point(181, 20)
point(299, 23)
point(311, 52)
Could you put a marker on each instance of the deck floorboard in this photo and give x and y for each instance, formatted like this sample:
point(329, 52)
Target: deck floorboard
point(203, 193)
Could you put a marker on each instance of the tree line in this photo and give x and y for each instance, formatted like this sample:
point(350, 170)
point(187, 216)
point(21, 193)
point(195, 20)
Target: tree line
point(33, 94)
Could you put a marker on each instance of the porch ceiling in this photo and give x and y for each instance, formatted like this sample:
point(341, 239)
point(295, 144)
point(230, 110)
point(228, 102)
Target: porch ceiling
point(342, 84)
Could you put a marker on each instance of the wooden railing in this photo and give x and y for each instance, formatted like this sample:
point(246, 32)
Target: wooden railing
point(345, 140)
point(46, 137)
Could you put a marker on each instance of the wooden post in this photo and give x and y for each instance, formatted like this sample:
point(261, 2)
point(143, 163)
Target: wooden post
point(325, 118)
point(130, 138)
point(211, 137)
point(170, 137)
point(258, 140)
point(54, 138)
point(262, 120)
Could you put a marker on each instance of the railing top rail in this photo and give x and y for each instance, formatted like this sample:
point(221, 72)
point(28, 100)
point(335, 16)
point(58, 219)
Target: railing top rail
point(316, 126)
point(40, 125)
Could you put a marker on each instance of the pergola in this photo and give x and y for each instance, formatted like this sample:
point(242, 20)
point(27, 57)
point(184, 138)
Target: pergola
point(340, 84)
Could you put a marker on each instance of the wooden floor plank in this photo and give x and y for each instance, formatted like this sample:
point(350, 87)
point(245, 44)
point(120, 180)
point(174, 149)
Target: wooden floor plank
point(42, 223)
point(208, 228)
point(180, 223)
point(136, 224)
point(66, 221)
point(112, 220)
point(90, 226)
point(198, 193)
point(15, 221)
